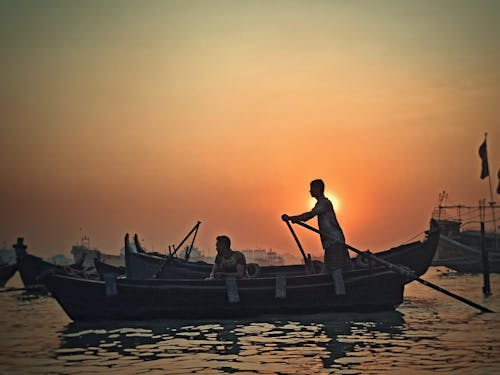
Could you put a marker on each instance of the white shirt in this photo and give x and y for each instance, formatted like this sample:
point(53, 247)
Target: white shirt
point(327, 223)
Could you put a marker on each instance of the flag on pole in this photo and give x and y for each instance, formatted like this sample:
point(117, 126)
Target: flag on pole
point(498, 187)
point(483, 153)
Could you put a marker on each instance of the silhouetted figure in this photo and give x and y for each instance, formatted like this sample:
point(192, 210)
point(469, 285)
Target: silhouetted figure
point(227, 262)
point(336, 254)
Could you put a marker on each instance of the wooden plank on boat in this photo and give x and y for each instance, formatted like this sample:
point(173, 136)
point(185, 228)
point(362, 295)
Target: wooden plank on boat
point(232, 290)
point(280, 286)
point(110, 282)
point(338, 282)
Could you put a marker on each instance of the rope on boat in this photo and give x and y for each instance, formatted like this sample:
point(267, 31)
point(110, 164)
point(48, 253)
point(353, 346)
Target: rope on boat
point(411, 239)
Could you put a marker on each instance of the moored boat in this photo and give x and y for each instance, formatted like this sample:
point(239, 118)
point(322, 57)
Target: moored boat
point(461, 240)
point(463, 258)
point(6, 272)
point(32, 268)
point(139, 265)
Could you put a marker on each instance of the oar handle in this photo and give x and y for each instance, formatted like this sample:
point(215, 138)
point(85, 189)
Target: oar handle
point(306, 259)
point(296, 240)
point(402, 271)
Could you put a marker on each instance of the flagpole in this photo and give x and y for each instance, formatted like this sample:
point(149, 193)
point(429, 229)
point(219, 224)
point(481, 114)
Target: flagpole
point(491, 202)
point(489, 175)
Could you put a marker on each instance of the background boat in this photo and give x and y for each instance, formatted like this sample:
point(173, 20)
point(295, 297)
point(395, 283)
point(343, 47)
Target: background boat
point(459, 246)
point(139, 265)
point(6, 272)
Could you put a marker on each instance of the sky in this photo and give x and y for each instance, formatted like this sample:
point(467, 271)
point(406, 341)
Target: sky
point(145, 117)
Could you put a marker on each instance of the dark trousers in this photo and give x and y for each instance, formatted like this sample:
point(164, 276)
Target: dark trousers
point(337, 256)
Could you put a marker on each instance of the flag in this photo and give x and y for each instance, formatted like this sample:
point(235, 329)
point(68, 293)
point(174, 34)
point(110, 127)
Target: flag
point(498, 187)
point(483, 153)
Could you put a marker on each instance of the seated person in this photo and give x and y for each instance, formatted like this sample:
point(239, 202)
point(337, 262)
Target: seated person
point(227, 262)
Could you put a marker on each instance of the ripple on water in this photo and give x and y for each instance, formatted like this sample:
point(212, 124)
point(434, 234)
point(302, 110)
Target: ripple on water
point(428, 334)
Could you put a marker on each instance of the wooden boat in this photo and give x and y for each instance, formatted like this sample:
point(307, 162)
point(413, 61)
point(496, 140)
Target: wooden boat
point(367, 289)
point(459, 247)
point(415, 255)
point(30, 267)
point(33, 268)
point(105, 268)
point(278, 290)
point(6, 272)
point(84, 255)
point(463, 258)
point(140, 265)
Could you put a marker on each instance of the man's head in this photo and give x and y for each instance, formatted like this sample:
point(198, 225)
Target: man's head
point(223, 244)
point(317, 188)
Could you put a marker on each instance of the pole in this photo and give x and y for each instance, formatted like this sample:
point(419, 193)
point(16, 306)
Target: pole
point(185, 238)
point(306, 259)
point(486, 268)
point(297, 241)
point(171, 256)
point(402, 271)
point(188, 252)
point(491, 202)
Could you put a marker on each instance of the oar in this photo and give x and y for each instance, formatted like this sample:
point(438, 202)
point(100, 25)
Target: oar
point(402, 271)
point(306, 260)
point(7, 290)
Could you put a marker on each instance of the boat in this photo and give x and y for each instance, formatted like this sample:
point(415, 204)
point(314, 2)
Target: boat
point(459, 246)
point(140, 265)
point(144, 265)
point(276, 290)
point(362, 290)
point(460, 257)
point(32, 268)
point(6, 272)
point(84, 255)
point(105, 269)
point(263, 257)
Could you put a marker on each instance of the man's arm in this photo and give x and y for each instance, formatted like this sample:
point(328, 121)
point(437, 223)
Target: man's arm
point(240, 272)
point(212, 273)
point(302, 217)
point(318, 209)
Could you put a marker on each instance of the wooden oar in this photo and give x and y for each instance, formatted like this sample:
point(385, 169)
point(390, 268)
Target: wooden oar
point(306, 260)
point(402, 271)
point(7, 290)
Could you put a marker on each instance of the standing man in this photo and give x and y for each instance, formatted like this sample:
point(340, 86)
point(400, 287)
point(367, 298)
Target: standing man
point(336, 254)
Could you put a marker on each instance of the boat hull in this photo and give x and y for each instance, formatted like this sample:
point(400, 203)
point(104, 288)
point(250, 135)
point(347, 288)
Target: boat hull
point(6, 272)
point(85, 300)
point(463, 258)
point(31, 268)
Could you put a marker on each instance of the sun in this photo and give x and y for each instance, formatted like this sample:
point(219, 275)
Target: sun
point(332, 197)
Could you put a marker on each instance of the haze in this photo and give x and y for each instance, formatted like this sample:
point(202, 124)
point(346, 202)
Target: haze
point(148, 116)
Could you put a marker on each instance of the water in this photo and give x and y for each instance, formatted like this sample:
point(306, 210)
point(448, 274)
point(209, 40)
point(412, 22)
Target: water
point(429, 333)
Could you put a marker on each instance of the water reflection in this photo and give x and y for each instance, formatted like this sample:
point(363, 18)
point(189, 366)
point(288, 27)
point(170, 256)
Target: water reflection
point(274, 345)
point(430, 334)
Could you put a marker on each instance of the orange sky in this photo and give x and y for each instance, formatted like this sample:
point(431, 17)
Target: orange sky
point(132, 117)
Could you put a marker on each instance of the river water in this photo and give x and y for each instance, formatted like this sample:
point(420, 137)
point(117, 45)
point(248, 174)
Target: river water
point(428, 333)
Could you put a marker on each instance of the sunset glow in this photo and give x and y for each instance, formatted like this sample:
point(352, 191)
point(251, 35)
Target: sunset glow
point(333, 198)
point(147, 117)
